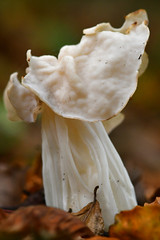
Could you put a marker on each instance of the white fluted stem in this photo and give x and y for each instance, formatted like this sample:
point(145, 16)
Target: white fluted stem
point(78, 156)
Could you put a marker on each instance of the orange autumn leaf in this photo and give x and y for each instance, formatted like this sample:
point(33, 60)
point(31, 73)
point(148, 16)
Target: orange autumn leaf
point(141, 223)
point(91, 216)
point(42, 222)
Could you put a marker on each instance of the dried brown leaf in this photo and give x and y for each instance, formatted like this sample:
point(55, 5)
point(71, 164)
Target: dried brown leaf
point(141, 223)
point(91, 216)
point(41, 222)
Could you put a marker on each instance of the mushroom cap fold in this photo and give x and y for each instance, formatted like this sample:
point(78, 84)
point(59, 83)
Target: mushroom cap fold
point(11, 111)
point(20, 102)
point(94, 79)
point(113, 122)
point(134, 18)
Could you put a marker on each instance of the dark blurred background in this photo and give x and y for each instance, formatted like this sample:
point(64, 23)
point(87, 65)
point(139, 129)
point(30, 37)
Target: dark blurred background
point(44, 27)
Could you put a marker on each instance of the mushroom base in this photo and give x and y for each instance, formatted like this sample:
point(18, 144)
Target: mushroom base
point(77, 157)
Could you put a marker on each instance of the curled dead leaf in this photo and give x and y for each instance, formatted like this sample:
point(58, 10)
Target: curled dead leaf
point(141, 223)
point(91, 216)
point(41, 222)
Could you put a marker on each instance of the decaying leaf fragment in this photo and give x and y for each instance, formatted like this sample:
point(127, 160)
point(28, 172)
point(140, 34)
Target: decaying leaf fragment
point(141, 223)
point(91, 216)
point(42, 222)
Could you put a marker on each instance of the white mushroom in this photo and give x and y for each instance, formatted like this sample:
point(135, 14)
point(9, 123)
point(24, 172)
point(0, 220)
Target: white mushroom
point(89, 82)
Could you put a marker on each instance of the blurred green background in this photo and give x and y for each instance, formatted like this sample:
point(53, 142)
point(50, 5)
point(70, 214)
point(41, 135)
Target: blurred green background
point(44, 27)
